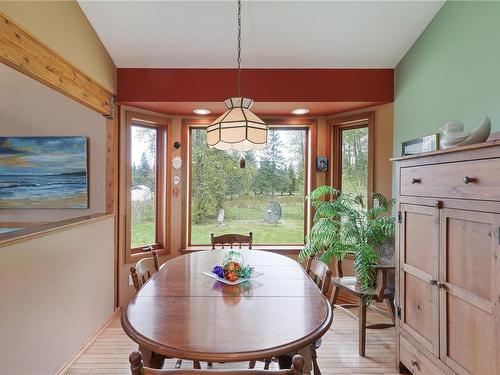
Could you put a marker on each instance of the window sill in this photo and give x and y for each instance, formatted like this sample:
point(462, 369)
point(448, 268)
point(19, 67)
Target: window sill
point(135, 257)
point(281, 249)
point(44, 229)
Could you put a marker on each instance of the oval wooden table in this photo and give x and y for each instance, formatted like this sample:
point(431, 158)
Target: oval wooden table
point(181, 313)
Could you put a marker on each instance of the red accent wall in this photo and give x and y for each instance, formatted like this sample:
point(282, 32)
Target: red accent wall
point(262, 85)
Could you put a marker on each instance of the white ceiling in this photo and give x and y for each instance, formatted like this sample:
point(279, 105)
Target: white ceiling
point(276, 34)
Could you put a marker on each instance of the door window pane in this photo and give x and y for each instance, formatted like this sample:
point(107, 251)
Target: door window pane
point(143, 186)
point(354, 162)
point(265, 198)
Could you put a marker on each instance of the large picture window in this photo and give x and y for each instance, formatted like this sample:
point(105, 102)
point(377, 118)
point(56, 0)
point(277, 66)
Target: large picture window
point(265, 198)
point(145, 182)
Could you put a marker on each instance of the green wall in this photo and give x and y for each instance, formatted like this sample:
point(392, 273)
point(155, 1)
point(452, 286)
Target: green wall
point(452, 72)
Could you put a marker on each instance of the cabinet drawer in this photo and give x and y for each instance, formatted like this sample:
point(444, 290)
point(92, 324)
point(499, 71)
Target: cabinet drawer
point(477, 179)
point(414, 360)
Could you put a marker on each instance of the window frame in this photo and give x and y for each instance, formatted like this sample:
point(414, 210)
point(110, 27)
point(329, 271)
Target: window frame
point(163, 128)
point(309, 125)
point(336, 126)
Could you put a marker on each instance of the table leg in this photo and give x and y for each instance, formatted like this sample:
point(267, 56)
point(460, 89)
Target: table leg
point(362, 327)
point(151, 359)
point(306, 353)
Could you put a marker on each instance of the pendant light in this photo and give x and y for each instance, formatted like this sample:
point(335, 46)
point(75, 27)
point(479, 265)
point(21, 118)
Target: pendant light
point(238, 128)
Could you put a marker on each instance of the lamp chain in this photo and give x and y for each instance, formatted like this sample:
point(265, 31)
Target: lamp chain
point(239, 46)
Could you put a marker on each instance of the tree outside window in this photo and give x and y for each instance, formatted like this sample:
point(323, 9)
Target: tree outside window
point(228, 199)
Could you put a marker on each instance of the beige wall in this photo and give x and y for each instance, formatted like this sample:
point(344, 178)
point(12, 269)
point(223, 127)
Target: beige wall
point(382, 178)
point(56, 290)
point(28, 108)
point(64, 27)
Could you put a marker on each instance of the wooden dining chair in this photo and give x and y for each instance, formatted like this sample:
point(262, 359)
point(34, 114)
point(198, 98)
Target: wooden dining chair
point(141, 273)
point(231, 239)
point(380, 293)
point(321, 275)
point(137, 368)
point(144, 269)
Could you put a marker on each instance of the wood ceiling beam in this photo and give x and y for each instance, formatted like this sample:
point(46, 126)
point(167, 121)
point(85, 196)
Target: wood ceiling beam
point(22, 51)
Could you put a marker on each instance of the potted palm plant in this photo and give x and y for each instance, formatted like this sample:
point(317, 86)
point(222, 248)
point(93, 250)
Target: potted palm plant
point(344, 225)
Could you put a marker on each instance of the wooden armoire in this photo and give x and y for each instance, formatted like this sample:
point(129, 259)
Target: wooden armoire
point(448, 261)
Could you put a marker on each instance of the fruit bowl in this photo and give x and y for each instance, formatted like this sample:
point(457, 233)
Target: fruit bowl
point(233, 270)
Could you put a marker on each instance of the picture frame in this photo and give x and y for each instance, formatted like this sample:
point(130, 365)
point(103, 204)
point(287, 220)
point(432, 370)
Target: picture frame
point(44, 172)
point(419, 145)
point(322, 164)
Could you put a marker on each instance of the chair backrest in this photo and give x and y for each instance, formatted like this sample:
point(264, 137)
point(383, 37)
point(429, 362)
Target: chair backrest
point(144, 269)
point(232, 239)
point(137, 368)
point(319, 273)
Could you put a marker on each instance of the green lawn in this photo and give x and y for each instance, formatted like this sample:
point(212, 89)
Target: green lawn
point(246, 214)
point(242, 215)
point(142, 234)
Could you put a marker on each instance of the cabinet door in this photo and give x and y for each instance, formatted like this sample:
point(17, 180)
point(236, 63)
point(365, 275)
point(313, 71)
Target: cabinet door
point(418, 273)
point(470, 292)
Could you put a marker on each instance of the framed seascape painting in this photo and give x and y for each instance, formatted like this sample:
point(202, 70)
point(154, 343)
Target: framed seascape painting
point(43, 172)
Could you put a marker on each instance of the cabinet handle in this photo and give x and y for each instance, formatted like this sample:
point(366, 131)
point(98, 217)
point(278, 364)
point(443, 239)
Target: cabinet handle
point(468, 179)
point(416, 180)
point(441, 285)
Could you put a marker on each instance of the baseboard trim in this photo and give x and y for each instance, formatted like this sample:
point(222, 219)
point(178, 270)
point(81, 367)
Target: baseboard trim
point(71, 361)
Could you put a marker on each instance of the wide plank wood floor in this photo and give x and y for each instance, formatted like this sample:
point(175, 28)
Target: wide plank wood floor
point(338, 354)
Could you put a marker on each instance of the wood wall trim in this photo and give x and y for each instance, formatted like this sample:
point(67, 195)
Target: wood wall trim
point(112, 187)
point(54, 227)
point(112, 167)
point(23, 52)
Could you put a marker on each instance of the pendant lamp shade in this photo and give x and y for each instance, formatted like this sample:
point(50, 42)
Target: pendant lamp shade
point(238, 128)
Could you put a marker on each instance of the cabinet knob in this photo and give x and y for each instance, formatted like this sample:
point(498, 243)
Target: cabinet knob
point(433, 282)
point(441, 285)
point(468, 179)
point(414, 363)
point(439, 204)
point(415, 180)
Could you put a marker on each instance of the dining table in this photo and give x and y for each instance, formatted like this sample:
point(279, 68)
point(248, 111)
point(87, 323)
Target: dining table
point(182, 313)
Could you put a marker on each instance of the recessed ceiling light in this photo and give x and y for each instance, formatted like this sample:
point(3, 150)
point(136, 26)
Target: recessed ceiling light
point(300, 111)
point(201, 111)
